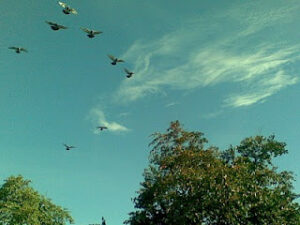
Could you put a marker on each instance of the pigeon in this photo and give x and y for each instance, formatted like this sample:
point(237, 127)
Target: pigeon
point(55, 26)
point(91, 33)
point(102, 127)
point(129, 73)
point(18, 49)
point(103, 221)
point(115, 60)
point(68, 147)
point(67, 9)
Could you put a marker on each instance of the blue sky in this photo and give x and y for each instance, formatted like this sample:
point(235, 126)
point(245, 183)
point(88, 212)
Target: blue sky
point(227, 68)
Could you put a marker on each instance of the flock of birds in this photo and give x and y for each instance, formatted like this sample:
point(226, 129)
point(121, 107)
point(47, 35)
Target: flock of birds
point(91, 34)
point(69, 147)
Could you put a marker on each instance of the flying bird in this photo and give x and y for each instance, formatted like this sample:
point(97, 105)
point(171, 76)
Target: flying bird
point(102, 128)
point(115, 60)
point(18, 49)
point(55, 26)
point(129, 73)
point(90, 33)
point(68, 147)
point(67, 9)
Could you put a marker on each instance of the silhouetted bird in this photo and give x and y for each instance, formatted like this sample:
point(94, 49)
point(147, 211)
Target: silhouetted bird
point(103, 221)
point(18, 49)
point(102, 128)
point(129, 73)
point(115, 60)
point(90, 33)
point(68, 147)
point(67, 9)
point(55, 26)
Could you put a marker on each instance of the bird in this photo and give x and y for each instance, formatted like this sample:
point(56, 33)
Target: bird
point(129, 73)
point(90, 33)
point(68, 147)
point(18, 49)
point(102, 127)
point(103, 221)
point(67, 9)
point(55, 26)
point(115, 60)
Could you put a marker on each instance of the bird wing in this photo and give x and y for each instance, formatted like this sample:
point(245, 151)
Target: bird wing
point(23, 49)
point(111, 57)
point(50, 23)
point(61, 26)
point(73, 11)
point(14, 48)
point(97, 32)
point(120, 60)
point(64, 5)
point(127, 71)
point(85, 29)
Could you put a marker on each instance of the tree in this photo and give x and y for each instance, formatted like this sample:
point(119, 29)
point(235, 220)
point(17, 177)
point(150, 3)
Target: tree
point(20, 204)
point(189, 184)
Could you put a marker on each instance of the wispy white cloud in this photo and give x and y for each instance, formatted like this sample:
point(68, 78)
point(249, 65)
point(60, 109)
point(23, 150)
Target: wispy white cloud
point(211, 114)
point(171, 104)
point(256, 17)
point(124, 114)
point(266, 88)
point(184, 59)
point(97, 116)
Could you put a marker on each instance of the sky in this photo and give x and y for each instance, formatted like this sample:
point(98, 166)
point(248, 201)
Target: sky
point(229, 69)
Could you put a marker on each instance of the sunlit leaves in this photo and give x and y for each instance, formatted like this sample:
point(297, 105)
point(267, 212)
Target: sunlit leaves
point(21, 204)
point(191, 185)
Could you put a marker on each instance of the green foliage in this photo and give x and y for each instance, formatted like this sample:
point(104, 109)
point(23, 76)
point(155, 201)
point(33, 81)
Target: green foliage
point(20, 204)
point(189, 184)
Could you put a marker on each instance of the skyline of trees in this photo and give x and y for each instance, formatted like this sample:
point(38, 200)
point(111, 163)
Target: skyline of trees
point(189, 184)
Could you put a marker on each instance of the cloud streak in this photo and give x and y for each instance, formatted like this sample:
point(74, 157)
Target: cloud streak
point(185, 59)
point(267, 87)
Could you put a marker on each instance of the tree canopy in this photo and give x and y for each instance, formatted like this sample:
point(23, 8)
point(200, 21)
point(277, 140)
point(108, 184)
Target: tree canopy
point(20, 204)
point(189, 184)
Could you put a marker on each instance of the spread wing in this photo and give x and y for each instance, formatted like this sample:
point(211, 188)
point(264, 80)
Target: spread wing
point(64, 5)
point(73, 11)
point(102, 127)
point(14, 48)
point(127, 71)
point(120, 60)
point(97, 32)
point(111, 57)
point(85, 29)
point(51, 23)
point(61, 26)
point(67, 146)
point(23, 49)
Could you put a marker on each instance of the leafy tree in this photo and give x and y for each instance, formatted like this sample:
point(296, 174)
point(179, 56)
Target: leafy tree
point(20, 204)
point(189, 184)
